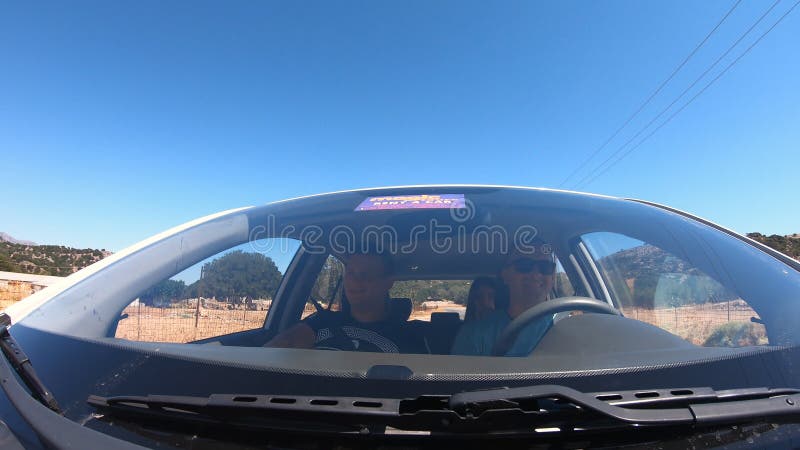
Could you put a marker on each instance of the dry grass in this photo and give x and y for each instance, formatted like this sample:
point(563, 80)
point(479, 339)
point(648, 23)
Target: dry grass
point(184, 324)
point(6, 303)
point(694, 323)
point(697, 323)
point(425, 314)
point(150, 324)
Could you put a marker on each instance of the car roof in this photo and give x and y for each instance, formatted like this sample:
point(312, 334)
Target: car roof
point(487, 204)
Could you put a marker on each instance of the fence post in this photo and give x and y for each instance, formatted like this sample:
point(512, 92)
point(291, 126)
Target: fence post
point(675, 308)
point(196, 316)
point(139, 320)
point(197, 313)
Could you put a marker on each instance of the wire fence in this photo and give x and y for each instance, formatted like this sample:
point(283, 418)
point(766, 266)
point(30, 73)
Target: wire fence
point(727, 323)
point(715, 324)
point(188, 320)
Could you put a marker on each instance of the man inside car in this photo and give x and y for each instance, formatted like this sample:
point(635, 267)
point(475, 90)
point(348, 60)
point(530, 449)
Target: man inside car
point(529, 278)
point(367, 321)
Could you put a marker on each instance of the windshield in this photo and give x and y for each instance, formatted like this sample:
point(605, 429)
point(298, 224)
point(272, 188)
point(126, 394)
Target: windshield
point(410, 292)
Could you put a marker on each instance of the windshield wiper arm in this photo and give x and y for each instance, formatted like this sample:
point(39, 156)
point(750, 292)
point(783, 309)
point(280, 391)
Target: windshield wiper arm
point(699, 406)
point(325, 414)
point(499, 410)
point(22, 365)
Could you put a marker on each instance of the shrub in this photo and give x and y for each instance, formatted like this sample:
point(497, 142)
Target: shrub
point(736, 334)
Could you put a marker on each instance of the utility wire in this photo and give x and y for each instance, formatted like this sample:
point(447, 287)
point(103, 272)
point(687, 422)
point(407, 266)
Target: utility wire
point(697, 80)
point(696, 95)
point(646, 102)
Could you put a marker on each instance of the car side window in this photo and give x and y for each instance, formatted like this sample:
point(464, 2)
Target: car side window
point(229, 292)
point(660, 288)
point(562, 286)
point(451, 296)
point(430, 296)
point(327, 290)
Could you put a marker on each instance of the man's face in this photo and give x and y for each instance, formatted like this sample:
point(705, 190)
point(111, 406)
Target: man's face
point(530, 276)
point(365, 279)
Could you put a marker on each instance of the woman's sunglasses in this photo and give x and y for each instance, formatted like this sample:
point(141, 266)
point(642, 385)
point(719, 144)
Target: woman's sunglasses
point(526, 265)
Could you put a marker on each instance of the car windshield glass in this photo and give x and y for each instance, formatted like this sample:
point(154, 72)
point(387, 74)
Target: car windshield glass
point(458, 282)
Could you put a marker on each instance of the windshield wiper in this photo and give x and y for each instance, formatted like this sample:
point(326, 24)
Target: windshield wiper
point(697, 406)
point(22, 365)
point(498, 410)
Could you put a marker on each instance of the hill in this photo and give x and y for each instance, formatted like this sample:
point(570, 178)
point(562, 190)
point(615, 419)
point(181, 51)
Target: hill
point(649, 274)
point(788, 245)
point(5, 237)
point(56, 260)
point(638, 266)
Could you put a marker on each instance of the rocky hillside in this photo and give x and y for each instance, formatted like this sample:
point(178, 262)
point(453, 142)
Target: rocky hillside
point(57, 260)
point(637, 264)
point(788, 245)
point(649, 273)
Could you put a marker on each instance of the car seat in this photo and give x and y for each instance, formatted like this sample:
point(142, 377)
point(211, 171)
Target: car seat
point(399, 307)
point(442, 331)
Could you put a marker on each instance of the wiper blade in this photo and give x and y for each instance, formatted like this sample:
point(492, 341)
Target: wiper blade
point(636, 407)
point(22, 365)
point(497, 411)
point(327, 414)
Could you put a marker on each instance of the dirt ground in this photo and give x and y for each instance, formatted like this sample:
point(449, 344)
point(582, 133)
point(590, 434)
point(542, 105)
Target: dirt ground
point(150, 324)
point(697, 323)
point(143, 323)
point(6, 303)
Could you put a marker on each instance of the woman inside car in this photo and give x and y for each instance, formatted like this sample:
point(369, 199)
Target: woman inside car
point(482, 298)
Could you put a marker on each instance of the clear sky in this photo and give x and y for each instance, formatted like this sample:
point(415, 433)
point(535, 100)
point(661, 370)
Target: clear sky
point(121, 119)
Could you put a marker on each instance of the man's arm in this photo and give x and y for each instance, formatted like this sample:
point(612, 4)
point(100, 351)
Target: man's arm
point(298, 336)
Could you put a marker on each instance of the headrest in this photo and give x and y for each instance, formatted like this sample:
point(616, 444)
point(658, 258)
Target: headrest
point(400, 308)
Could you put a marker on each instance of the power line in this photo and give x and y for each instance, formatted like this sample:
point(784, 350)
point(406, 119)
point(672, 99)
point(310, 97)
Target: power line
point(696, 95)
point(694, 83)
point(693, 98)
point(647, 101)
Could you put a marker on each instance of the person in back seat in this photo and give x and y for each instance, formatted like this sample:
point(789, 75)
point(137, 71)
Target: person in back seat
point(366, 323)
point(481, 300)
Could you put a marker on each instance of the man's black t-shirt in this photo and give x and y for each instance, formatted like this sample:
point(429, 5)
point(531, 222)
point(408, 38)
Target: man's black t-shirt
point(336, 330)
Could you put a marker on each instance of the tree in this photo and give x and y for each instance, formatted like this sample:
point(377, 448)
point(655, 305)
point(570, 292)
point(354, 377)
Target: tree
point(236, 275)
point(163, 292)
point(421, 290)
point(789, 245)
point(644, 289)
point(328, 280)
point(6, 264)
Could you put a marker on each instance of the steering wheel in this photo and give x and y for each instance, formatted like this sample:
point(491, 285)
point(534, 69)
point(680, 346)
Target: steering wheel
point(509, 335)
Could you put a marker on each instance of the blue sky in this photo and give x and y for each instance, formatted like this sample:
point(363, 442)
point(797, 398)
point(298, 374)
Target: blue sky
point(121, 119)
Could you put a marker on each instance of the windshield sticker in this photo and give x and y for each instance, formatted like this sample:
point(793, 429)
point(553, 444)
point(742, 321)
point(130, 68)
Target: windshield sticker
point(424, 201)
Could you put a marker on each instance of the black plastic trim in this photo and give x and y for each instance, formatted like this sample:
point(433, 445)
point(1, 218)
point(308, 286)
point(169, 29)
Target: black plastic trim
point(54, 430)
point(8, 441)
point(466, 412)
